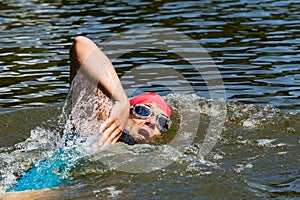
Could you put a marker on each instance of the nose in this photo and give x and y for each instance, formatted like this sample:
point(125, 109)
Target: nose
point(151, 121)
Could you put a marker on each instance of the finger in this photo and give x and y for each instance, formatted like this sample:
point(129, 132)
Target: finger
point(106, 124)
point(117, 136)
point(112, 138)
point(114, 134)
point(106, 135)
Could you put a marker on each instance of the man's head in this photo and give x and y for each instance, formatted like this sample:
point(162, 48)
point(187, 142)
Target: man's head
point(150, 115)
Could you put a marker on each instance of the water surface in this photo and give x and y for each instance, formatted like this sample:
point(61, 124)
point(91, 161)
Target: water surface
point(255, 45)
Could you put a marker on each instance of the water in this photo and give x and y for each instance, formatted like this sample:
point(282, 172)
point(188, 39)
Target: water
point(256, 47)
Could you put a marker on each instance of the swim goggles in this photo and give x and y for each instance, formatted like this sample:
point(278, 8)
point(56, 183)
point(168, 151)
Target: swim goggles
point(142, 111)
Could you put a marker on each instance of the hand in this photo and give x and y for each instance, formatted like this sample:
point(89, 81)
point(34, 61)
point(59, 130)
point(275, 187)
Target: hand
point(111, 129)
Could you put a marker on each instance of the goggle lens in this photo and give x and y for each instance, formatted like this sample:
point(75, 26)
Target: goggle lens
point(163, 123)
point(144, 112)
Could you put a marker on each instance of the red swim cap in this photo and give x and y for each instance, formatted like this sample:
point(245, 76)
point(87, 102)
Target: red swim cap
point(151, 98)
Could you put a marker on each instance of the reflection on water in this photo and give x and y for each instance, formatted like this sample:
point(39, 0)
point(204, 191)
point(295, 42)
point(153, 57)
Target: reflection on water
point(254, 43)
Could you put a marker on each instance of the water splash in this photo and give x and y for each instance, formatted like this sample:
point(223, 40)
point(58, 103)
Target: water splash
point(241, 148)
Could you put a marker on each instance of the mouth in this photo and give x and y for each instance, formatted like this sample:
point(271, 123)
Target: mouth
point(143, 134)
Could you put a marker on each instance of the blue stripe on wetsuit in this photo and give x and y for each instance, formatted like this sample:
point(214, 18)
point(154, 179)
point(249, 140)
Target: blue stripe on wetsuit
point(52, 172)
point(49, 173)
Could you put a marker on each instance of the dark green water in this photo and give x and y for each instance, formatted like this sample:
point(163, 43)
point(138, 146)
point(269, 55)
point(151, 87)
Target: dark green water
point(255, 45)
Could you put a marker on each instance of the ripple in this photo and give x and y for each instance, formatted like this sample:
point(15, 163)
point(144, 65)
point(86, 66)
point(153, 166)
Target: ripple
point(247, 39)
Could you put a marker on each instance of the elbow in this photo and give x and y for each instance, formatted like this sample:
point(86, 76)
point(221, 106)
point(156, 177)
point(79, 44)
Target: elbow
point(82, 42)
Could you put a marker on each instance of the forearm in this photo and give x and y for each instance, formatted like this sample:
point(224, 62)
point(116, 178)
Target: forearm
point(86, 58)
point(98, 67)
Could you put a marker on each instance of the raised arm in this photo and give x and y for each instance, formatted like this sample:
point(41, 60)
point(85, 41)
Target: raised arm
point(85, 55)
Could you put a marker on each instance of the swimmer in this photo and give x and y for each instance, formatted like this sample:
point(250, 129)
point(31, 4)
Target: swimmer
point(137, 120)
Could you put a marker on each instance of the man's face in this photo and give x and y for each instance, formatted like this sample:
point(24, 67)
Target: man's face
point(143, 129)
